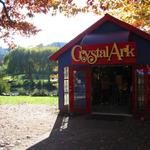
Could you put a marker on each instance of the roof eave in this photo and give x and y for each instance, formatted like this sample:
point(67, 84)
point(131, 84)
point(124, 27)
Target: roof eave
point(107, 17)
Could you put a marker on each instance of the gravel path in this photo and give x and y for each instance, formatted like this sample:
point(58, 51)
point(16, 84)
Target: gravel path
point(39, 127)
point(21, 125)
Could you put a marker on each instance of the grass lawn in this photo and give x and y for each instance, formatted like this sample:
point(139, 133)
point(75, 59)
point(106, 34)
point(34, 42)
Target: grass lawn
point(28, 100)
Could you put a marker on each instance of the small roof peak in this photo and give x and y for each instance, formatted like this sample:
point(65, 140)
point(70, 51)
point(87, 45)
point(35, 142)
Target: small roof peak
point(105, 18)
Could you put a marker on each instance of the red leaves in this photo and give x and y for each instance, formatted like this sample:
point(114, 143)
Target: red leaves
point(20, 10)
point(13, 20)
point(31, 15)
point(90, 2)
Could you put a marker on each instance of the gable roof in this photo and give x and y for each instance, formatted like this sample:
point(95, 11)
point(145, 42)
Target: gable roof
point(107, 17)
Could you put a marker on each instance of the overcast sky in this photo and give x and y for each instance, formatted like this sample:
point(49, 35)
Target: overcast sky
point(57, 29)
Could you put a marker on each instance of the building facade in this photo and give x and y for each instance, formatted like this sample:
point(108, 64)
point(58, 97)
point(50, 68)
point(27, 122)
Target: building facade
point(106, 70)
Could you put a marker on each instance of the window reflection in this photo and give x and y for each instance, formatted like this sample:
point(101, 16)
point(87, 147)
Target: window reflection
point(79, 89)
point(140, 89)
point(66, 86)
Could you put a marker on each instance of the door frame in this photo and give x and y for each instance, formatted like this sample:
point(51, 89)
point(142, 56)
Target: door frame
point(145, 112)
point(134, 91)
point(87, 72)
point(133, 105)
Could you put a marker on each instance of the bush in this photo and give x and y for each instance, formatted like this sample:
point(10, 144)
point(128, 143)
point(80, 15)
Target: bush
point(28, 84)
point(4, 87)
point(40, 92)
point(22, 91)
point(16, 84)
point(45, 85)
point(39, 84)
point(54, 93)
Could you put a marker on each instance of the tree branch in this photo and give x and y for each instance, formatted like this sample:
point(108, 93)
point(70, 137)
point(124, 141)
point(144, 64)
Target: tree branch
point(5, 10)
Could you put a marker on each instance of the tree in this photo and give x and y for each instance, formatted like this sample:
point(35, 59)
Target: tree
point(15, 15)
point(30, 61)
point(134, 12)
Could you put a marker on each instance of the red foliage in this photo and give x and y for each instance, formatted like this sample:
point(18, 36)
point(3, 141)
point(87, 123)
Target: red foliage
point(13, 18)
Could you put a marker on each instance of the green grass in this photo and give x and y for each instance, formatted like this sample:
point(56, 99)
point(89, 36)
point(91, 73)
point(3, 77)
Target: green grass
point(28, 100)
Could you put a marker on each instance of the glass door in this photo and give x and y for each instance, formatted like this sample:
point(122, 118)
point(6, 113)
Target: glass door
point(79, 89)
point(142, 90)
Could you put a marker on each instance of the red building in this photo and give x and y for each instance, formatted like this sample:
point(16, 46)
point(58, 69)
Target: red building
point(105, 70)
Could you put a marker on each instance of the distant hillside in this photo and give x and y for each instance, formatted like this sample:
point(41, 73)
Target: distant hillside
point(3, 52)
point(57, 44)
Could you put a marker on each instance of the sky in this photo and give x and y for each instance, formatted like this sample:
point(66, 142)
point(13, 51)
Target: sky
point(56, 29)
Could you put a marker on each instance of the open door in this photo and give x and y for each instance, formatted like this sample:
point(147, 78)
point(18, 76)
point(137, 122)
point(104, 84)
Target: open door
point(79, 89)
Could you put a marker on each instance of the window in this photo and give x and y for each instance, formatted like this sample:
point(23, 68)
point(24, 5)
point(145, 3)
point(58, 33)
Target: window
point(140, 89)
point(79, 89)
point(66, 85)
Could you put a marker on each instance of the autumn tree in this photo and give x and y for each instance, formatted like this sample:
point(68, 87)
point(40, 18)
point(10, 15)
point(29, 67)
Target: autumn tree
point(134, 12)
point(16, 15)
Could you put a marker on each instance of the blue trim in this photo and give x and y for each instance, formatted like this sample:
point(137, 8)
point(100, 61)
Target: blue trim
point(142, 48)
point(105, 38)
point(65, 59)
point(108, 27)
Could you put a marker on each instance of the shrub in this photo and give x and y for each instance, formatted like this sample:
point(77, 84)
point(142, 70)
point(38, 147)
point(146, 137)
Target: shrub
point(28, 84)
point(40, 92)
point(4, 87)
point(39, 84)
point(22, 91)
point(16, 84)
point(54, 93)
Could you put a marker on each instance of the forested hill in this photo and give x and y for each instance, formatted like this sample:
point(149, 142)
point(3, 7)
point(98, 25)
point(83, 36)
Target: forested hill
point(53, 46)
point(32, 62)
point(3, 52)
point(57, 44)
point(28, 70)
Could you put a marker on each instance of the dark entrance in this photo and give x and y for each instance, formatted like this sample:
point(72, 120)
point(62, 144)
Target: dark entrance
point(111, 89)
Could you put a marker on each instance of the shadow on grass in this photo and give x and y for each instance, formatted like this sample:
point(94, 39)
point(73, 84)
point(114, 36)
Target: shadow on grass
point(96, 133)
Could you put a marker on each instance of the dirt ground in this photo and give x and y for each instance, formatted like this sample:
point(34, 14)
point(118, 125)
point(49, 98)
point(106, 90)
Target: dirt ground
point(22, 125)
point(96, 133)
point(40, 127)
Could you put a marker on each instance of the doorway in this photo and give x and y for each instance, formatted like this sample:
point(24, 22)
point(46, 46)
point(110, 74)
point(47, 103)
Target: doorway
point(79, 89)
point(111, 89)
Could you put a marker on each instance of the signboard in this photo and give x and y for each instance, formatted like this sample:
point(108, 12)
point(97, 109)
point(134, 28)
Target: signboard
point(115, 53)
